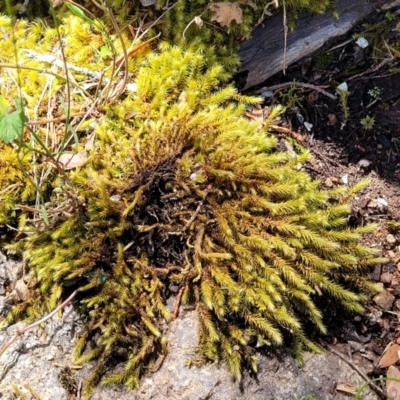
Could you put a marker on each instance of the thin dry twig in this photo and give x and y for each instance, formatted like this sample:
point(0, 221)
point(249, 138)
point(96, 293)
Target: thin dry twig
point(374, 68)
point(193, 217)
point(178, 303)
point(295, 135)
point(266, 12)
point(376, 388)
point(21, 331)
point(132, 50)
point(295, 83)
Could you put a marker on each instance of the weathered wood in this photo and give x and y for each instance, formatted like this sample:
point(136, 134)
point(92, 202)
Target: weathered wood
point(263, 54)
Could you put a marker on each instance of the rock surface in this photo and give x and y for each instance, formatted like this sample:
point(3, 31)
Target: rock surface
point(37, 358)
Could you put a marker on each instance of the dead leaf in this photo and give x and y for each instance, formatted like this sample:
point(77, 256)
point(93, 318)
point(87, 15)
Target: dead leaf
point(225, 13)
point(90, 142)
point(393, 386)
point(256, 114)
point(21, 289)
point(347, 388)
point(70, 160)
point(390, 356)
point(130, 114)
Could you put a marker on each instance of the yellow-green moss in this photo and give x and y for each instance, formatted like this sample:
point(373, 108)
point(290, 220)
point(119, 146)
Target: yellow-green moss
point(180, 189)
point(177, 19)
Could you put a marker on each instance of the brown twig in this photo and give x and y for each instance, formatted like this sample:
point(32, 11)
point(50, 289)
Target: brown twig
point(300, 84)
point(376, 388)
point(178, 303)
point(193, 217)
point(374, 68)
point(132, 50)
point(75, 367)
point(45, 318)
point(295, 135)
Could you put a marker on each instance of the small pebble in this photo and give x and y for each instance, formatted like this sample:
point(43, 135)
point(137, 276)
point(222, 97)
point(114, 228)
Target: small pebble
point(362, 42)
point(308, 126)
point(395, 289)
point(364, 163)
point(391, 254)
point(381, 202)
point(391, 239)
point(332, 119)
point(386, 277)
point(355, 346)
point(328, 182)
point(267, 93)
point(384, 300)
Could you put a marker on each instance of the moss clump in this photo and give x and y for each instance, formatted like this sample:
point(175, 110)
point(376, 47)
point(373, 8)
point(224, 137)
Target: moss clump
point(176, 19)
point(179, 191)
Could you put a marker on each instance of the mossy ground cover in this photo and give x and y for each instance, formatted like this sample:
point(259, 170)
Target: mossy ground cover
point(173, 193)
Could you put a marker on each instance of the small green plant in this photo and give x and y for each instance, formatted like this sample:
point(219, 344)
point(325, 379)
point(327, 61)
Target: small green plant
point(390, 16)
point(375, 92)
point(367, 123)
point(290, 98)
point(11, 124)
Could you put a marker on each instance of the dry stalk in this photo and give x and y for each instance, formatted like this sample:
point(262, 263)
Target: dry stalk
point(44, 319)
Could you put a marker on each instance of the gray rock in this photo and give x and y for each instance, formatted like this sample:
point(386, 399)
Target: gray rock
point(37, 357)
point(384, 300)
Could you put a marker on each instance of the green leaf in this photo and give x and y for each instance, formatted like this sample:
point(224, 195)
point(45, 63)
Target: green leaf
point(79, 12)
point(44, 214)
point(12, 125)
point(3, 107)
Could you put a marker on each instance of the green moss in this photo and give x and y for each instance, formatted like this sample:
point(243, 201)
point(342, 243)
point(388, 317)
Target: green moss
point(220, 41)
point(179, 190)
point(324, 59)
